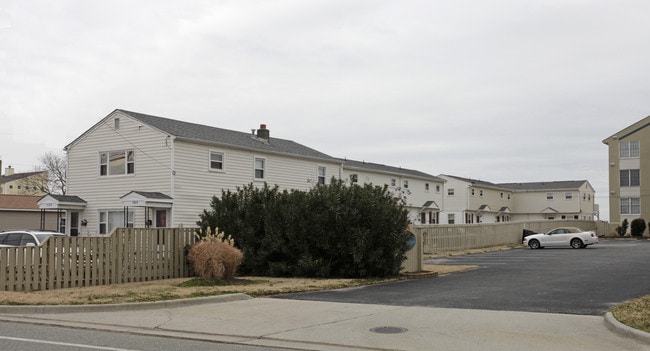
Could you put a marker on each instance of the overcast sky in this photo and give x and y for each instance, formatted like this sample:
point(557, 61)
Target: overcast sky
point(502, 91)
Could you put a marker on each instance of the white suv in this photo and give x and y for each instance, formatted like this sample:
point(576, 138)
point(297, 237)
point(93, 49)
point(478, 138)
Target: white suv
point(25, 237)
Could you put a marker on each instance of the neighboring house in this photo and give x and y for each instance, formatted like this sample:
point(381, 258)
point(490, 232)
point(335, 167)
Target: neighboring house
point(629, 172)
point(29, 183)
point(22, 212)
point(474, 201)
point(139, 170)
point(420, 193)
point(574, 199)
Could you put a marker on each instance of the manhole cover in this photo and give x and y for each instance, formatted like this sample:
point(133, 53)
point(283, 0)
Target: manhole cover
point(388, 330)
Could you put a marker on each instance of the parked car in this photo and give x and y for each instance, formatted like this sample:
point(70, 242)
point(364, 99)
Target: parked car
point(25, 237)
point(564, 236)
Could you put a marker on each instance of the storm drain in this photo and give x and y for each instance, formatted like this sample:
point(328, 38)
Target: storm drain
point(389, 330)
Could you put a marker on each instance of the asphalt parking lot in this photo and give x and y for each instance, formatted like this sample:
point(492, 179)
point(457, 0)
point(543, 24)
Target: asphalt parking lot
point(552, 280)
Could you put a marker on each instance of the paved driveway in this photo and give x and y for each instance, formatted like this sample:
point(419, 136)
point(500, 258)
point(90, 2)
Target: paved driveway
point(584, 281)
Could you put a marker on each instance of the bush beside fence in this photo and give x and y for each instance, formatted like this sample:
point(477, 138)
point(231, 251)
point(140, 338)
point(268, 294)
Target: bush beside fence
point(127, 255)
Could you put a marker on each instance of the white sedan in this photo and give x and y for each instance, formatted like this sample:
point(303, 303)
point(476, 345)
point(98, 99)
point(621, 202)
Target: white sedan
point(564, 236)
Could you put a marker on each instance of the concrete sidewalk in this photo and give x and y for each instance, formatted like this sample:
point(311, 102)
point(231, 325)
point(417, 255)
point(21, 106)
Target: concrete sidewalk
point(313, 325)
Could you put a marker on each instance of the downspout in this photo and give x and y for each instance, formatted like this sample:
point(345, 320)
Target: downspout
point(172, 185)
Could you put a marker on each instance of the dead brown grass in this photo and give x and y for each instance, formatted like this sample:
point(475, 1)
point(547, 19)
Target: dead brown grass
point(169, 289)
point(634, 313)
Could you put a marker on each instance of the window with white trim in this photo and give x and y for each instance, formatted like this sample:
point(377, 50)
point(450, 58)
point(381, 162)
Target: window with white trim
point(393, 181)
point(109, 220)
point(354, 178)
point(451, 218)
point(451, 192)
point(321, 175)
point(630, 177)
point(568, 196)
point(426, 187)
point(629, 149)
point(216, 161)
point(549, 196)
point(260, 168)
point(406, 184)
point(437, 188)
point(630, 206)
point(480, 193)
point(116, 163)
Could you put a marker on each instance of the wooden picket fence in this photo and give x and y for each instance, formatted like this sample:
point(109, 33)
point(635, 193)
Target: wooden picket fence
point(438, 239)
point(126, 255)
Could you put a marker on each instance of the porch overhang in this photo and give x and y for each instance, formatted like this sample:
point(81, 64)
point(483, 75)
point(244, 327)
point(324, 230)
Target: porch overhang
point(61, 202)
point(430, 205)
point(147, 199)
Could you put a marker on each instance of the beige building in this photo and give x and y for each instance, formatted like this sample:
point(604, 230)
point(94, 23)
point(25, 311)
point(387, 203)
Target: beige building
point(629, 172)
point(28, 183)
point(477, 201)
point(571, 199)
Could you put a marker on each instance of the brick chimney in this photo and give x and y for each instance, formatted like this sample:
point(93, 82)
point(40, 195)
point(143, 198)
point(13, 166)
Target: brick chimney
point(263, 133)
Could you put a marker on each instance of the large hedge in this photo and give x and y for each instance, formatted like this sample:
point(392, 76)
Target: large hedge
point(333, 230)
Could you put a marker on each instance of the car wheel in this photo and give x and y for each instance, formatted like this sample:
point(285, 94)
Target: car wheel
point(534, 244)
point(576, 243)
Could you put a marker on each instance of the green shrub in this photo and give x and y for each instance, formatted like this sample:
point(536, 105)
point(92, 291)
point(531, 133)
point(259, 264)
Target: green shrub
point(637, 227)
point(622, 229)
point(331, 230)
point(215, 257)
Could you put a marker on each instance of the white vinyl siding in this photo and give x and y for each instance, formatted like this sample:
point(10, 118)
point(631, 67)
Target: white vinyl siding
point(153, 157)
point(194, 187)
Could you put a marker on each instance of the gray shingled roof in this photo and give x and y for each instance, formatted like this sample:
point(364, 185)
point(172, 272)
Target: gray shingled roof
point(16, 176)
point(198, 132)
point(479, 183)
point(151, 195)
point(555, 185)
point(66, 198)
point(362, 165)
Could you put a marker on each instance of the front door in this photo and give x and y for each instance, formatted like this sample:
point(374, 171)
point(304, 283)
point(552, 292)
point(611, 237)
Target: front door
point(74, 223)
point(161, 218)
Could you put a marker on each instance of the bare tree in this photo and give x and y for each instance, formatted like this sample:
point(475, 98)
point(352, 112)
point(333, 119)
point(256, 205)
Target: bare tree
point(56, 166)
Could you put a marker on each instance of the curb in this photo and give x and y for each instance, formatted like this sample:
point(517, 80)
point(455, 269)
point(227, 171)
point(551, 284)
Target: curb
point(45, 309)
point(623, 330)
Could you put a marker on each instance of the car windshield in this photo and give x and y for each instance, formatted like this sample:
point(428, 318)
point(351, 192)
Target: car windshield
point(43, 236)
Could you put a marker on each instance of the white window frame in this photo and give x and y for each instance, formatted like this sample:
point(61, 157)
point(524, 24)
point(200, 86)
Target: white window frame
point(426, 187)
point(406, 184)
point(393, 182)
point(630, 178)
point(261, 170)
point(480, 193)
point(568, 196)
point(354, 178)
point(222, 162)
point(630, 206)
point(550, 196)
point(322, 174)
point(104, 227)
point(451, 218)
point(451, 192)
point(105, 163)
point(629, 149)
point(437, 188)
